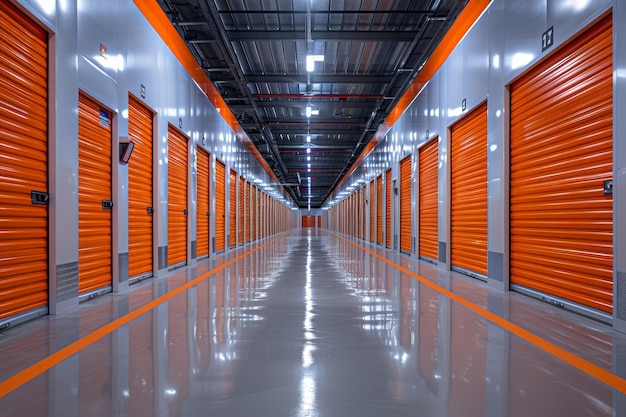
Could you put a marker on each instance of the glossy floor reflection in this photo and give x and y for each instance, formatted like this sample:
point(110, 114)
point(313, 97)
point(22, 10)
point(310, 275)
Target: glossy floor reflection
point(311, 324)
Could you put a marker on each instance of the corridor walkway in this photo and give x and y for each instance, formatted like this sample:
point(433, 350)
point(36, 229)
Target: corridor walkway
point(313, 324)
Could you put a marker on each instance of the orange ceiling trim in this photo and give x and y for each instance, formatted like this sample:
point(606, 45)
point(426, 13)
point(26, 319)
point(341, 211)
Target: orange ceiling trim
point(464, 22)
point(164, 28)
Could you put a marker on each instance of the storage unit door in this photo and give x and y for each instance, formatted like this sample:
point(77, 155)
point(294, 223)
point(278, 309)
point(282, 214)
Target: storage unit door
point(308, 221)
point(372, 207)
point(176, 198)
point(232, 198)
point(23, 167)
point(388, 208)
point(248, 212)
point(468, 215)
point(220, 206)
point(379, 210)
point(94, 197)
point(405, 205)
point(428, 200)
point(242, 211)
point(203, 204)
point(253, 208)
point(140, 190)
point(319, 222)
point(561, 153)
point(359, 214)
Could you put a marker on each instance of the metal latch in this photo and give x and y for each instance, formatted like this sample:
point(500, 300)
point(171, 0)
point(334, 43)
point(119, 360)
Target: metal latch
point(208, 214)
point(608, 187)
point(107, 204)
point(185, 212)
point(150, 210)
point(39, 197)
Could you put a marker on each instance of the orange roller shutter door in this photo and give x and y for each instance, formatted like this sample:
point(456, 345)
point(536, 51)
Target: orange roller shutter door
point(388, 208)
point(468, 225)
point(372, 210)
point(140, 130)
point(23, 164)
point(176, 197)
point(308, 221)
point(379, 210)
point(220, 206)
point(232, 199)
point(429, 200)
point(94, 196)
point(561, 152)
point(203, 210)
point(405, 205)
point(254, 206)
point(242, 210)
point(248, 212)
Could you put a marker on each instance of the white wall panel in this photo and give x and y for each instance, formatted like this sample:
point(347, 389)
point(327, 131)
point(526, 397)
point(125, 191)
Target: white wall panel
point(497, 145)
point(505, 43)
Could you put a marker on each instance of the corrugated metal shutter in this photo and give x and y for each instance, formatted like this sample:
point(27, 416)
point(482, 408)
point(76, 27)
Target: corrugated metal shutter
point(203, 204)
point(176, 197)
point(140, 121)
point(372, 206)
point(319, 222)
point(261, 214)
point(561, 152)
point(405, 205)
point(379, 209)
point(388, 208)
point(363, 212)
point(354, 218)
point(23, 165)
point(254, 207)
point(429, 200)
point(94, 189)
point(248, 212)
point(308, 221)
point(359, 213)
point(220, 206)
point(232, 198)
point(468, 158)
point(242, 211)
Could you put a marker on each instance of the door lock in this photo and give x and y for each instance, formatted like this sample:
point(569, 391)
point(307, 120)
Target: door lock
point(39, 197)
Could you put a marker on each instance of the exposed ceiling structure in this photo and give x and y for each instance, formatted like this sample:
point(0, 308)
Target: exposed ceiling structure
point(310, 81)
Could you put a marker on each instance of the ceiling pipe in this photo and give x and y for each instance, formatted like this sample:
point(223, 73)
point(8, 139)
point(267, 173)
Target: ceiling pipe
point(210, 11)
point(320, 95)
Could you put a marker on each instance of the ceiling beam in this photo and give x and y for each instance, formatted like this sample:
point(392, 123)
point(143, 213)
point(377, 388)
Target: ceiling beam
point(330, 12)
point(303, 104)
point(335, 35)
point(320, 79)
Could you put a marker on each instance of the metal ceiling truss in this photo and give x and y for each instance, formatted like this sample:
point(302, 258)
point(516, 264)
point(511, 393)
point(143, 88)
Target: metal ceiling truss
point(255, 52)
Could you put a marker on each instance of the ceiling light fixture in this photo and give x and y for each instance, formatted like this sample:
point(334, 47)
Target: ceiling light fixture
point(308, 138)
point(308, 111)
point(310, 61)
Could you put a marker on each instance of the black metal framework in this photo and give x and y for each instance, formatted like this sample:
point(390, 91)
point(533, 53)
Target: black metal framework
point(255, 52)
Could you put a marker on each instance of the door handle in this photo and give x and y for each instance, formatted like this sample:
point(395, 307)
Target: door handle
point(608, 186)
point(185, 212)
point(39, 197)
point(107, 204)
point(150, 210)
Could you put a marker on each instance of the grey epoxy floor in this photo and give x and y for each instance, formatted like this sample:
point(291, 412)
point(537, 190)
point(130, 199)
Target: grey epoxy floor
point(312, 324)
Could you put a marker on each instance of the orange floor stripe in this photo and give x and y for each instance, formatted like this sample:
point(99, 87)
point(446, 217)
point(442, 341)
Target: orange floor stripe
point(584, 365)
point(38, 368)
